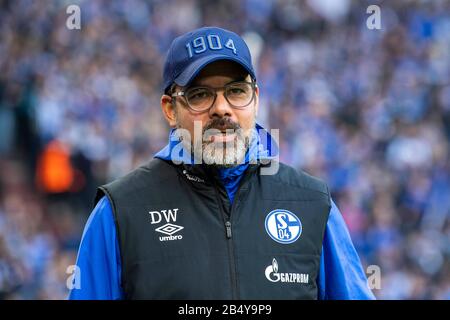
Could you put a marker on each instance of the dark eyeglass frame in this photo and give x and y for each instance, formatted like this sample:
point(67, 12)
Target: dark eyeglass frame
point(224, 89)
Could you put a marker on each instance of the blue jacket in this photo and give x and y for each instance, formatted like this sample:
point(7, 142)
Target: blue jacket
point(341, 273)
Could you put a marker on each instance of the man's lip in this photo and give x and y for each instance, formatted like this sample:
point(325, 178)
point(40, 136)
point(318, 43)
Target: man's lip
point(222, 137)
point(224, 129)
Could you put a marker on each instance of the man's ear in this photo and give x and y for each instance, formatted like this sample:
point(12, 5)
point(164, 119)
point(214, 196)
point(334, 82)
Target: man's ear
point(256, 100)
point(168, 110)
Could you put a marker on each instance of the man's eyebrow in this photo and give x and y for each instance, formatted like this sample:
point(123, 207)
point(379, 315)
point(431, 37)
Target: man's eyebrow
point(196, 84)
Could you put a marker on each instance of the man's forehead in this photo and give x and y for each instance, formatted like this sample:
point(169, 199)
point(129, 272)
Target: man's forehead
point(228, 70)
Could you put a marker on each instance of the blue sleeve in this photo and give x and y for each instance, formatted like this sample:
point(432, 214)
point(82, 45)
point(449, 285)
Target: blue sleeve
point(98, 260)
point(341, 274)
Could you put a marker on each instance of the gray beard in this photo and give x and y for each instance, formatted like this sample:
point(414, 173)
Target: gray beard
point(225, 155)
point(221, 155)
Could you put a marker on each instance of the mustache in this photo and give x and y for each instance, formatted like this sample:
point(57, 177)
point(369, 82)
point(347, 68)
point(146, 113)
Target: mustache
point(222, 124)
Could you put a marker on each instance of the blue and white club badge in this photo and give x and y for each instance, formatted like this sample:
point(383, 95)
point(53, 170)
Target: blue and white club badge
point(283, 226)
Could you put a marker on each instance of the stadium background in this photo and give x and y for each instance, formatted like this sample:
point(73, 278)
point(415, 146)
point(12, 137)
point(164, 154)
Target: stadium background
point(366, 110)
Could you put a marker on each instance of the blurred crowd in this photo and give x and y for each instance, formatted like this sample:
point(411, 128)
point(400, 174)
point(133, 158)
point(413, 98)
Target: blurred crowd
point(366, 110)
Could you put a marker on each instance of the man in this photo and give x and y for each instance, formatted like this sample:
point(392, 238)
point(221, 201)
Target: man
point(214, 215)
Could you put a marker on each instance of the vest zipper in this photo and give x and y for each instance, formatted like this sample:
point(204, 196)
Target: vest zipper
point(228, 227)
point(229, 245)
point(227, 220)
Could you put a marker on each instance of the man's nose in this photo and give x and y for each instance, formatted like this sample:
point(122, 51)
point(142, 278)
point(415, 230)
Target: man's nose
point(221, 108)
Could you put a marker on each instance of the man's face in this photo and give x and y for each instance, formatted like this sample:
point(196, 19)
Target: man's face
point(226, 131)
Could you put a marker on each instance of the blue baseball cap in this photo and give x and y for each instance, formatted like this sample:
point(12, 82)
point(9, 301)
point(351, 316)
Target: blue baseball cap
point(191, 52)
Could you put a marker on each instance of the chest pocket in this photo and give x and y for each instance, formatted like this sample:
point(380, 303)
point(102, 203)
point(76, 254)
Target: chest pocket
point(278, 247)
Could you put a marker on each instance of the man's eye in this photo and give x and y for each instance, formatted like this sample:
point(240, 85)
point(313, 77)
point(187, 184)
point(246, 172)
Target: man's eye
point(199, 94)
point(236, 90)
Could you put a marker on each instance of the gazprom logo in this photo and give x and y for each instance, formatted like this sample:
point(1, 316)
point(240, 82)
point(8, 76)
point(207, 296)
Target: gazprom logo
point(283, 226)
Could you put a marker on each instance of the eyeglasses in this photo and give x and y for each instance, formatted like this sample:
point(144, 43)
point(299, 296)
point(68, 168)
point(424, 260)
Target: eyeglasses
point(238, 94)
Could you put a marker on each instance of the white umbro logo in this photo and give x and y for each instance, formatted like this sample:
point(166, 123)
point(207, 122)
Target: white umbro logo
point(169, 229)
